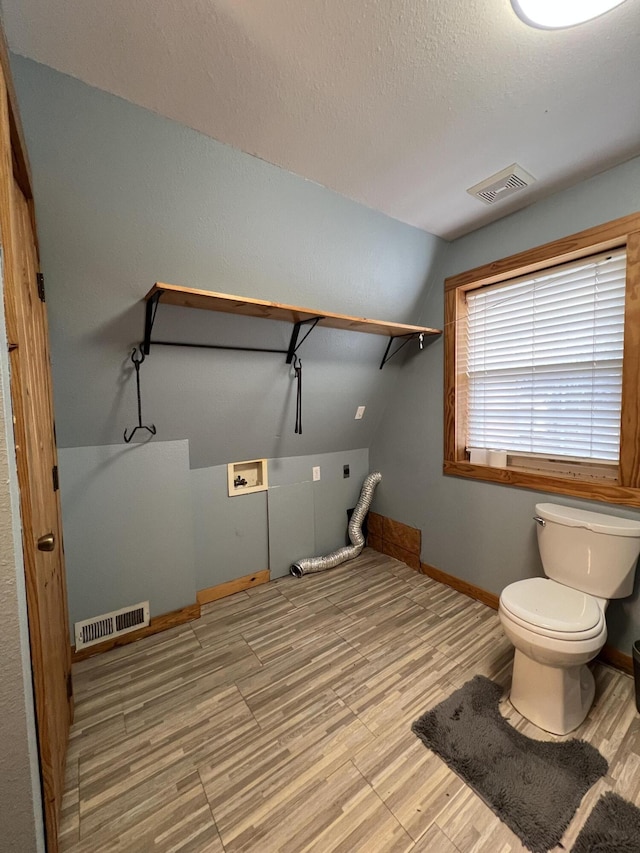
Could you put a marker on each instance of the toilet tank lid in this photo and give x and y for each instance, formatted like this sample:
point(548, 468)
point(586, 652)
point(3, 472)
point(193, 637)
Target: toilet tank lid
point(598, 522)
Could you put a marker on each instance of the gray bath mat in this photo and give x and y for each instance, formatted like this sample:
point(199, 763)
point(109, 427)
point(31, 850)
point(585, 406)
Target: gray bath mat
point(534, 786)
point(612, 827)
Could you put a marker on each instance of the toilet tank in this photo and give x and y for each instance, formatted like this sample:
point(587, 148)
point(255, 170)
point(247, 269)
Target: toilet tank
point(589, 551)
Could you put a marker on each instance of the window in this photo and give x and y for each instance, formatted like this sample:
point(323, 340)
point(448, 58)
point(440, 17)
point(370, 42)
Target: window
point(542, 364)
point(543, 359)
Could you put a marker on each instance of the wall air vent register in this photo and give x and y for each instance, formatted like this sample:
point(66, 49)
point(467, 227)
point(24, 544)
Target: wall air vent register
point(100, 628)
point(502, 185)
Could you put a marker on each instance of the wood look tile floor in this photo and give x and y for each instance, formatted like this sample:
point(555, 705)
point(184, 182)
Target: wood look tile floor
point(280, 721)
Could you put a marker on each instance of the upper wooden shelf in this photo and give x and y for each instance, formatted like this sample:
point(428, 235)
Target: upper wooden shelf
point(188, 297)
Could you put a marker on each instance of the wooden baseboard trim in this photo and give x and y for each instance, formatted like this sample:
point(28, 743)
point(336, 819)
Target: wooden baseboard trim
point(488, 598)
point(222, 590)
point(609, 654)
point(614, 657)
point(395, 539)
point(157, 624)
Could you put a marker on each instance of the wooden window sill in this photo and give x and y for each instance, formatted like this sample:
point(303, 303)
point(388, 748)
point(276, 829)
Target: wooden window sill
point(589, 489)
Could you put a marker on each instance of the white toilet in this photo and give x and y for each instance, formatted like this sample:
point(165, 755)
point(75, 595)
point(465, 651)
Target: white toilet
point(557, 623)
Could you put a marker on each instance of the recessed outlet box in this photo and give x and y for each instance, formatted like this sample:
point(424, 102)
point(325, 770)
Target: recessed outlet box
point(359, 413)
point(316, 472)
point(345, 471)
point(245, 477)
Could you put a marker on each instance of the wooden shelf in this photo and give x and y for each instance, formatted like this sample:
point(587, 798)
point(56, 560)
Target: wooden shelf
point(187, 297)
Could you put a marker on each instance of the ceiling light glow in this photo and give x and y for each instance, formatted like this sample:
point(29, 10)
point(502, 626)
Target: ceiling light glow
point(553, 14)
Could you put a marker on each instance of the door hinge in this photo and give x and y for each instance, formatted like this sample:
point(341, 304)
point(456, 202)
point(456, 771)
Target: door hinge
point(56, 479)
point(69, 686)
point(40, 281)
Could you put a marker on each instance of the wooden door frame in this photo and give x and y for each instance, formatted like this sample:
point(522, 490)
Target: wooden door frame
point(14, 166)
point(21, 167)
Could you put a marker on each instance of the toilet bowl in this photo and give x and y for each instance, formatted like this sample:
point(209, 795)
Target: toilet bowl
point(557, 623)
point(551, 685)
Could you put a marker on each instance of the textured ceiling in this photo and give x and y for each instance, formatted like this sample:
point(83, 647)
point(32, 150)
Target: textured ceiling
point(398, 104)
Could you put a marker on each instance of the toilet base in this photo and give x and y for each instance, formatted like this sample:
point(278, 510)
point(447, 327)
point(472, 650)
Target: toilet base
point(556, 699)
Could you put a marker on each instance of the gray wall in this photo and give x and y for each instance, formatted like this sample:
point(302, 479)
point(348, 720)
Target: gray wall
point(141, 525)
point(478, 531)
point(126, 198)
point(21, 828)
point(128, 528)
point(296, 518)
point(308, 518)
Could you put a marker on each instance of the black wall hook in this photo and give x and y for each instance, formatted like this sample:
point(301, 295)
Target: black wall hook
point(297, 366)
point(136, 363)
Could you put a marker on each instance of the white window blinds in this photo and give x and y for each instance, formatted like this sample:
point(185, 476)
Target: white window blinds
point(544, 361)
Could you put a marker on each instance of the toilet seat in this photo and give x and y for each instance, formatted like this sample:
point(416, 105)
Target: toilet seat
point(550, 609)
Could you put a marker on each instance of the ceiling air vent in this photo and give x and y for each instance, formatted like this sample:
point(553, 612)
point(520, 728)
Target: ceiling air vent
point(505, 183)
point(112, 624)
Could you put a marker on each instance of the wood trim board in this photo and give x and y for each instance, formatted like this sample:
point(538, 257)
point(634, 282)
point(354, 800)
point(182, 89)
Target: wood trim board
point(20, 156)
point(395, 539)
point(608, 654)
point(630, 414)
point(222, 590)
point(622, 486)
point(35, 455)
point(588, 242)
point(157, 624)
point(476, 592)
point(593, 490)
point(188, 297)
point(175, 617)
point(614, 657)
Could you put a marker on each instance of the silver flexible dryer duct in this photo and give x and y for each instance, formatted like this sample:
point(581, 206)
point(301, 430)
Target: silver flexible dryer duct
point(320, 564)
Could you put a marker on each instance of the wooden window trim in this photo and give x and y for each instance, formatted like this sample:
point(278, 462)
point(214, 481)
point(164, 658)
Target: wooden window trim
point(625, 489)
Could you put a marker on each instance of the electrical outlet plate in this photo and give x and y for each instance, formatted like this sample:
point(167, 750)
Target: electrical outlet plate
point(316, 472)
point(360, 413)
point(246, 477)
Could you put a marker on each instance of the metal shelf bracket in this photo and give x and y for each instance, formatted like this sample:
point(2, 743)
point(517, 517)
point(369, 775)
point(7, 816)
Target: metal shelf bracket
point(388, 356)
point(293, 343)
point(149, 317)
